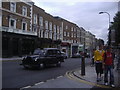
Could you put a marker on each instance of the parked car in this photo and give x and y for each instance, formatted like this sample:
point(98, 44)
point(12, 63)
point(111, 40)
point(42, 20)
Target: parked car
point(76, 55)
point(41, 58)
point(64, 55)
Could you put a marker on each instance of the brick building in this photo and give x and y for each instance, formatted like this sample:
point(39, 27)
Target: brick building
point(17, 35)
point(25, 26)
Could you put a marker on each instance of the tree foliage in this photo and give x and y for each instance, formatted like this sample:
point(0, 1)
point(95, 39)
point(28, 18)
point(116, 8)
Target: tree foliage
point(116, 26)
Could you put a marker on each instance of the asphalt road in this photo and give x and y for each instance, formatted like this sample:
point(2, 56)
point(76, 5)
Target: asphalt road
point(15, 76)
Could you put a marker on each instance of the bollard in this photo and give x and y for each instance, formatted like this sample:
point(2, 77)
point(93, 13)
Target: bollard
point(83, 66)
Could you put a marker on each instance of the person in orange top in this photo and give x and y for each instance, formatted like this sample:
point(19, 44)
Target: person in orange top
point(108, 66)
point(98, 59)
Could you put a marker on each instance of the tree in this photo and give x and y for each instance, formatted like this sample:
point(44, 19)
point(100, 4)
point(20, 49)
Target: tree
point(116, 26)
point(101, 41)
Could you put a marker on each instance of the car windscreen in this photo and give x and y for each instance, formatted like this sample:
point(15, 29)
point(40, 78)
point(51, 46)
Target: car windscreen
point(53, 52)
point(37, 52)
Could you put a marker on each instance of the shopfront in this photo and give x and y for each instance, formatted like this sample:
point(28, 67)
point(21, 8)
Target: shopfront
point(17, 44)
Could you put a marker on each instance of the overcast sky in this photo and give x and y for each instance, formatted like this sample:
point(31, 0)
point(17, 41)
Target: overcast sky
point(83, 13)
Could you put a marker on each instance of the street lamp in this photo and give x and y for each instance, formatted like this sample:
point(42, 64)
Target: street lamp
point(108, 15)
point(108, 26)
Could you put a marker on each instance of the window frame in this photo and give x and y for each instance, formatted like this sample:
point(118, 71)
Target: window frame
point(25, 26)
point(54, 28)
point(41, 21)
point(50, 34)
point(24, 11)
point(13, 8)
point(46, 24)
point(66, 27)
point(58, 31)
point(50, 26)
point(14, 23)
point(35, 19)
point(41, 33)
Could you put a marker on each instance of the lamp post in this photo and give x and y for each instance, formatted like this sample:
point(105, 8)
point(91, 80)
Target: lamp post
point(108, 15)
point(108, 26)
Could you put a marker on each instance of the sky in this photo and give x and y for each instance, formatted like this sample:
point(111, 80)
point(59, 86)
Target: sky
point(84, 13)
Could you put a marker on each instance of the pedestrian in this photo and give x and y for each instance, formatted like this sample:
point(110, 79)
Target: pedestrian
point(109, 66)
point(98, 59)
point(92, 59)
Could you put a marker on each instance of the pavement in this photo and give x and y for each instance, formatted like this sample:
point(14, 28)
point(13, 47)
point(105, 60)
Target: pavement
point(73, 79)
point(11, 58)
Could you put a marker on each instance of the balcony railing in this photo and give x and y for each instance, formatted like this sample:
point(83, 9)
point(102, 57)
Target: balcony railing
point(19, 31)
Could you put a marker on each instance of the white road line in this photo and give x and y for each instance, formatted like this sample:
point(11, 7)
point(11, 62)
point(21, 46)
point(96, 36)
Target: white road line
point(25, 87)
point(49, 80)
point(39, 83)
point(59, 76)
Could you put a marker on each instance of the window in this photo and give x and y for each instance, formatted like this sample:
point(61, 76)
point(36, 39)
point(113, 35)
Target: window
point(24, 11)
point(46, 25)
point(60, 29)
point(76, 41)
point(13, 6)
point(12, 23)
point(64, 33)
point(46, 34)
point(72, 29)
point(60, 36)
point(75, 35)
point(24, 26)
point(54, 36)
point(41, 21)
point(72, 34)
point(78, 34)
point(50, 25)
point(50, 34)
point(34, 29)
point(35, 18)
point(66, 27)
point(68, 34)
point(57, 36)
point(41, 33)
point(55, 28)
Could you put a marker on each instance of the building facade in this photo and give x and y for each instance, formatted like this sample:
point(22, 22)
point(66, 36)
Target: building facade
point(112, 33)
point(25, 27)
point(17, 35)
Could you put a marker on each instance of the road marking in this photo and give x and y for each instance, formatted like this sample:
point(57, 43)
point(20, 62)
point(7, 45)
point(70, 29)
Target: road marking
point(50, 80)
point(71, 76)
point(59, 76)
point(39, 83)
point(25, 87)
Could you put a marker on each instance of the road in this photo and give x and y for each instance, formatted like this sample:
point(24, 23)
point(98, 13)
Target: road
point(15, 76)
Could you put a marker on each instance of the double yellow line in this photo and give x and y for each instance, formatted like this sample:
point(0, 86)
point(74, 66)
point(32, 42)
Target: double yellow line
point(70, 75)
